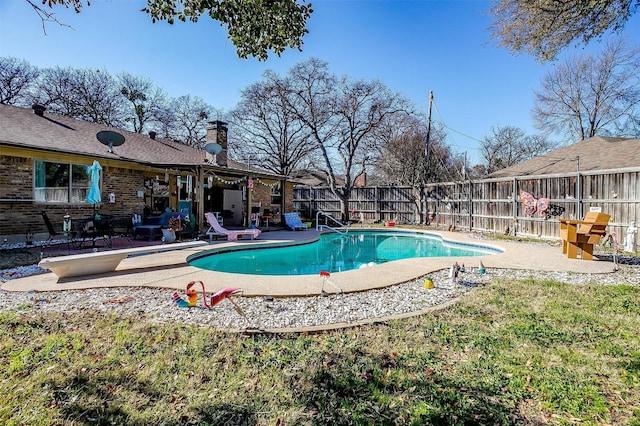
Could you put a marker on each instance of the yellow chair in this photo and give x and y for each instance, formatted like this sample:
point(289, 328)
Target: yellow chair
point(579, 236)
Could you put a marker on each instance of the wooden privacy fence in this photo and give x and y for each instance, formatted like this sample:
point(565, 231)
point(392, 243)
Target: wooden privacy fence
point(491, 205)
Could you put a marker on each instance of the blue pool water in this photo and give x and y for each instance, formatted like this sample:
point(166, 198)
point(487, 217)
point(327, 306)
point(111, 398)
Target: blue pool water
point(335, 253)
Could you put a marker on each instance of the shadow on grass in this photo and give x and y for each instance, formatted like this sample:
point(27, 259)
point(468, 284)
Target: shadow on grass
point(353, 388)
point(84, 400)
point(390, 391)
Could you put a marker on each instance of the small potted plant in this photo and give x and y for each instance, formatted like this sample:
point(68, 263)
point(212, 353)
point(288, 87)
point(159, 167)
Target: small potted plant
point(174, 225)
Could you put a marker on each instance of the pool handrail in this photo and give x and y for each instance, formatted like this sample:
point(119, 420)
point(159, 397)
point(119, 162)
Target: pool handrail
point(321, 227)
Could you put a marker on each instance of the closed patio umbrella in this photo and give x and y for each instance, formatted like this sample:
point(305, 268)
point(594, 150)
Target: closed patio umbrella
point(93, 196)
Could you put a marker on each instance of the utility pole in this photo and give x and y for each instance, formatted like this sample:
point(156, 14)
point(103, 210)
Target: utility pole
point(423, 204)
point(464, 166)
point(426, 148)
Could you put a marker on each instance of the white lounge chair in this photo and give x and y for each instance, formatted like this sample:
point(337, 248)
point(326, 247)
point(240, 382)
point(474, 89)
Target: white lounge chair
point(293, 222)
point(216, 229)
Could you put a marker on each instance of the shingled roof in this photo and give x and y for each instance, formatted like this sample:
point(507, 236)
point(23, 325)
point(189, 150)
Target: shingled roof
point(21, 127)
point(593, 154)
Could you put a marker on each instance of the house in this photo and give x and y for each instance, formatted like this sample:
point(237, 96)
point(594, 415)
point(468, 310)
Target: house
point(596, 154)
point(43, 167)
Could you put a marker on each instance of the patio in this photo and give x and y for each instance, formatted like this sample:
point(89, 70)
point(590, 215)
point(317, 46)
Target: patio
point(170, 270)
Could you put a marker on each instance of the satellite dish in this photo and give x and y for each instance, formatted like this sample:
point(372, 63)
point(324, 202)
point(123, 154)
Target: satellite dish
point(213, 148)
point(110, 138)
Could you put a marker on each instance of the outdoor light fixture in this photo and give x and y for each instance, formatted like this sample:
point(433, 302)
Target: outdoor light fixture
point(66, 223)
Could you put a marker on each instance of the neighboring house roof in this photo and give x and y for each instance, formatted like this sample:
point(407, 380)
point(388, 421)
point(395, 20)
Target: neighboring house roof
point(308, 178)
point(593, 154)
point(21, 127)
point(312, 178)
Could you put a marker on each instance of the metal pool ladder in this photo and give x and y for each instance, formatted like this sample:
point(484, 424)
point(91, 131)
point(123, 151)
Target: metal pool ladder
point(322, 227)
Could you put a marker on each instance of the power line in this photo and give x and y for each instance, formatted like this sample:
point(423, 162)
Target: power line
point(442, 123)
point(460, 133)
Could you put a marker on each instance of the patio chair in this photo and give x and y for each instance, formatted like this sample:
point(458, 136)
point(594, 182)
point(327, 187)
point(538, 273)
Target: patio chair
point(582, 235)
point(52, 232)
point(215, 229)
point(293, 222)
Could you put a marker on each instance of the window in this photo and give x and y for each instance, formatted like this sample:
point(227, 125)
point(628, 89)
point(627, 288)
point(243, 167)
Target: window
point(61, 182)
point(276, 194)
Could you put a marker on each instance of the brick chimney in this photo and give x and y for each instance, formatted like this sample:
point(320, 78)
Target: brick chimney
point(217, 133)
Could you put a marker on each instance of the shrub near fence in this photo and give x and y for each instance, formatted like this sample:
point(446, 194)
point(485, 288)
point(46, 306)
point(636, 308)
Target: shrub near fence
point(490, 205)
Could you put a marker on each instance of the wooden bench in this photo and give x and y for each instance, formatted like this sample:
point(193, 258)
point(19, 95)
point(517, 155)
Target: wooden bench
point(579, 236)
point(77, 265)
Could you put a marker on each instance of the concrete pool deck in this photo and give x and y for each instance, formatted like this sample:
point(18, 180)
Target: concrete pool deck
point(170, 269)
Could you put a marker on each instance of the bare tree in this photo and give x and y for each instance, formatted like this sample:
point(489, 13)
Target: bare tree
point(510, 145)
point(146, 101)
point(345, 119)
point(128, 102)
point(90, 95)
point(311, 89)
point(266, 130)
point(544, 27)
point(167, 127)
point(403, 160)
point(190, 116)
point(17, 78)
point(55, 89)
point(587, 96)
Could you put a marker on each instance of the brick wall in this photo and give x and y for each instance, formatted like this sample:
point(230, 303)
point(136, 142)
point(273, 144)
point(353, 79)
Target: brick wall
point(20, 214)
point(262, 193)
point(288, 198)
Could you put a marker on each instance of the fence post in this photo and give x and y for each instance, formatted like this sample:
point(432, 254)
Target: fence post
point(514, 202)
point(377, 206)
point(470, 206)
point(579, 207)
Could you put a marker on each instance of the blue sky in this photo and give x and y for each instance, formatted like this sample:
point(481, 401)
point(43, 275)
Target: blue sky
point(412, 46)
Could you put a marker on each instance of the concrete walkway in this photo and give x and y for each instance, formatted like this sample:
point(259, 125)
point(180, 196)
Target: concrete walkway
point(170, 269)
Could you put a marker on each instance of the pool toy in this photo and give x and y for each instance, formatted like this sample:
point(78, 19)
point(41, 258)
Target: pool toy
point(190, 301)
point(192, 297)
point(428, 283)
point(325, 279)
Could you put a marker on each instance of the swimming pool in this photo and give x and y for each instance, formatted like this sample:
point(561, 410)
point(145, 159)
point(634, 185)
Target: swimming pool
point(335, 253)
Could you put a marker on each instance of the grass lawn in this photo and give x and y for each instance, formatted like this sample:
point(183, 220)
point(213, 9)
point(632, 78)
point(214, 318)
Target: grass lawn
point(526, 352)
